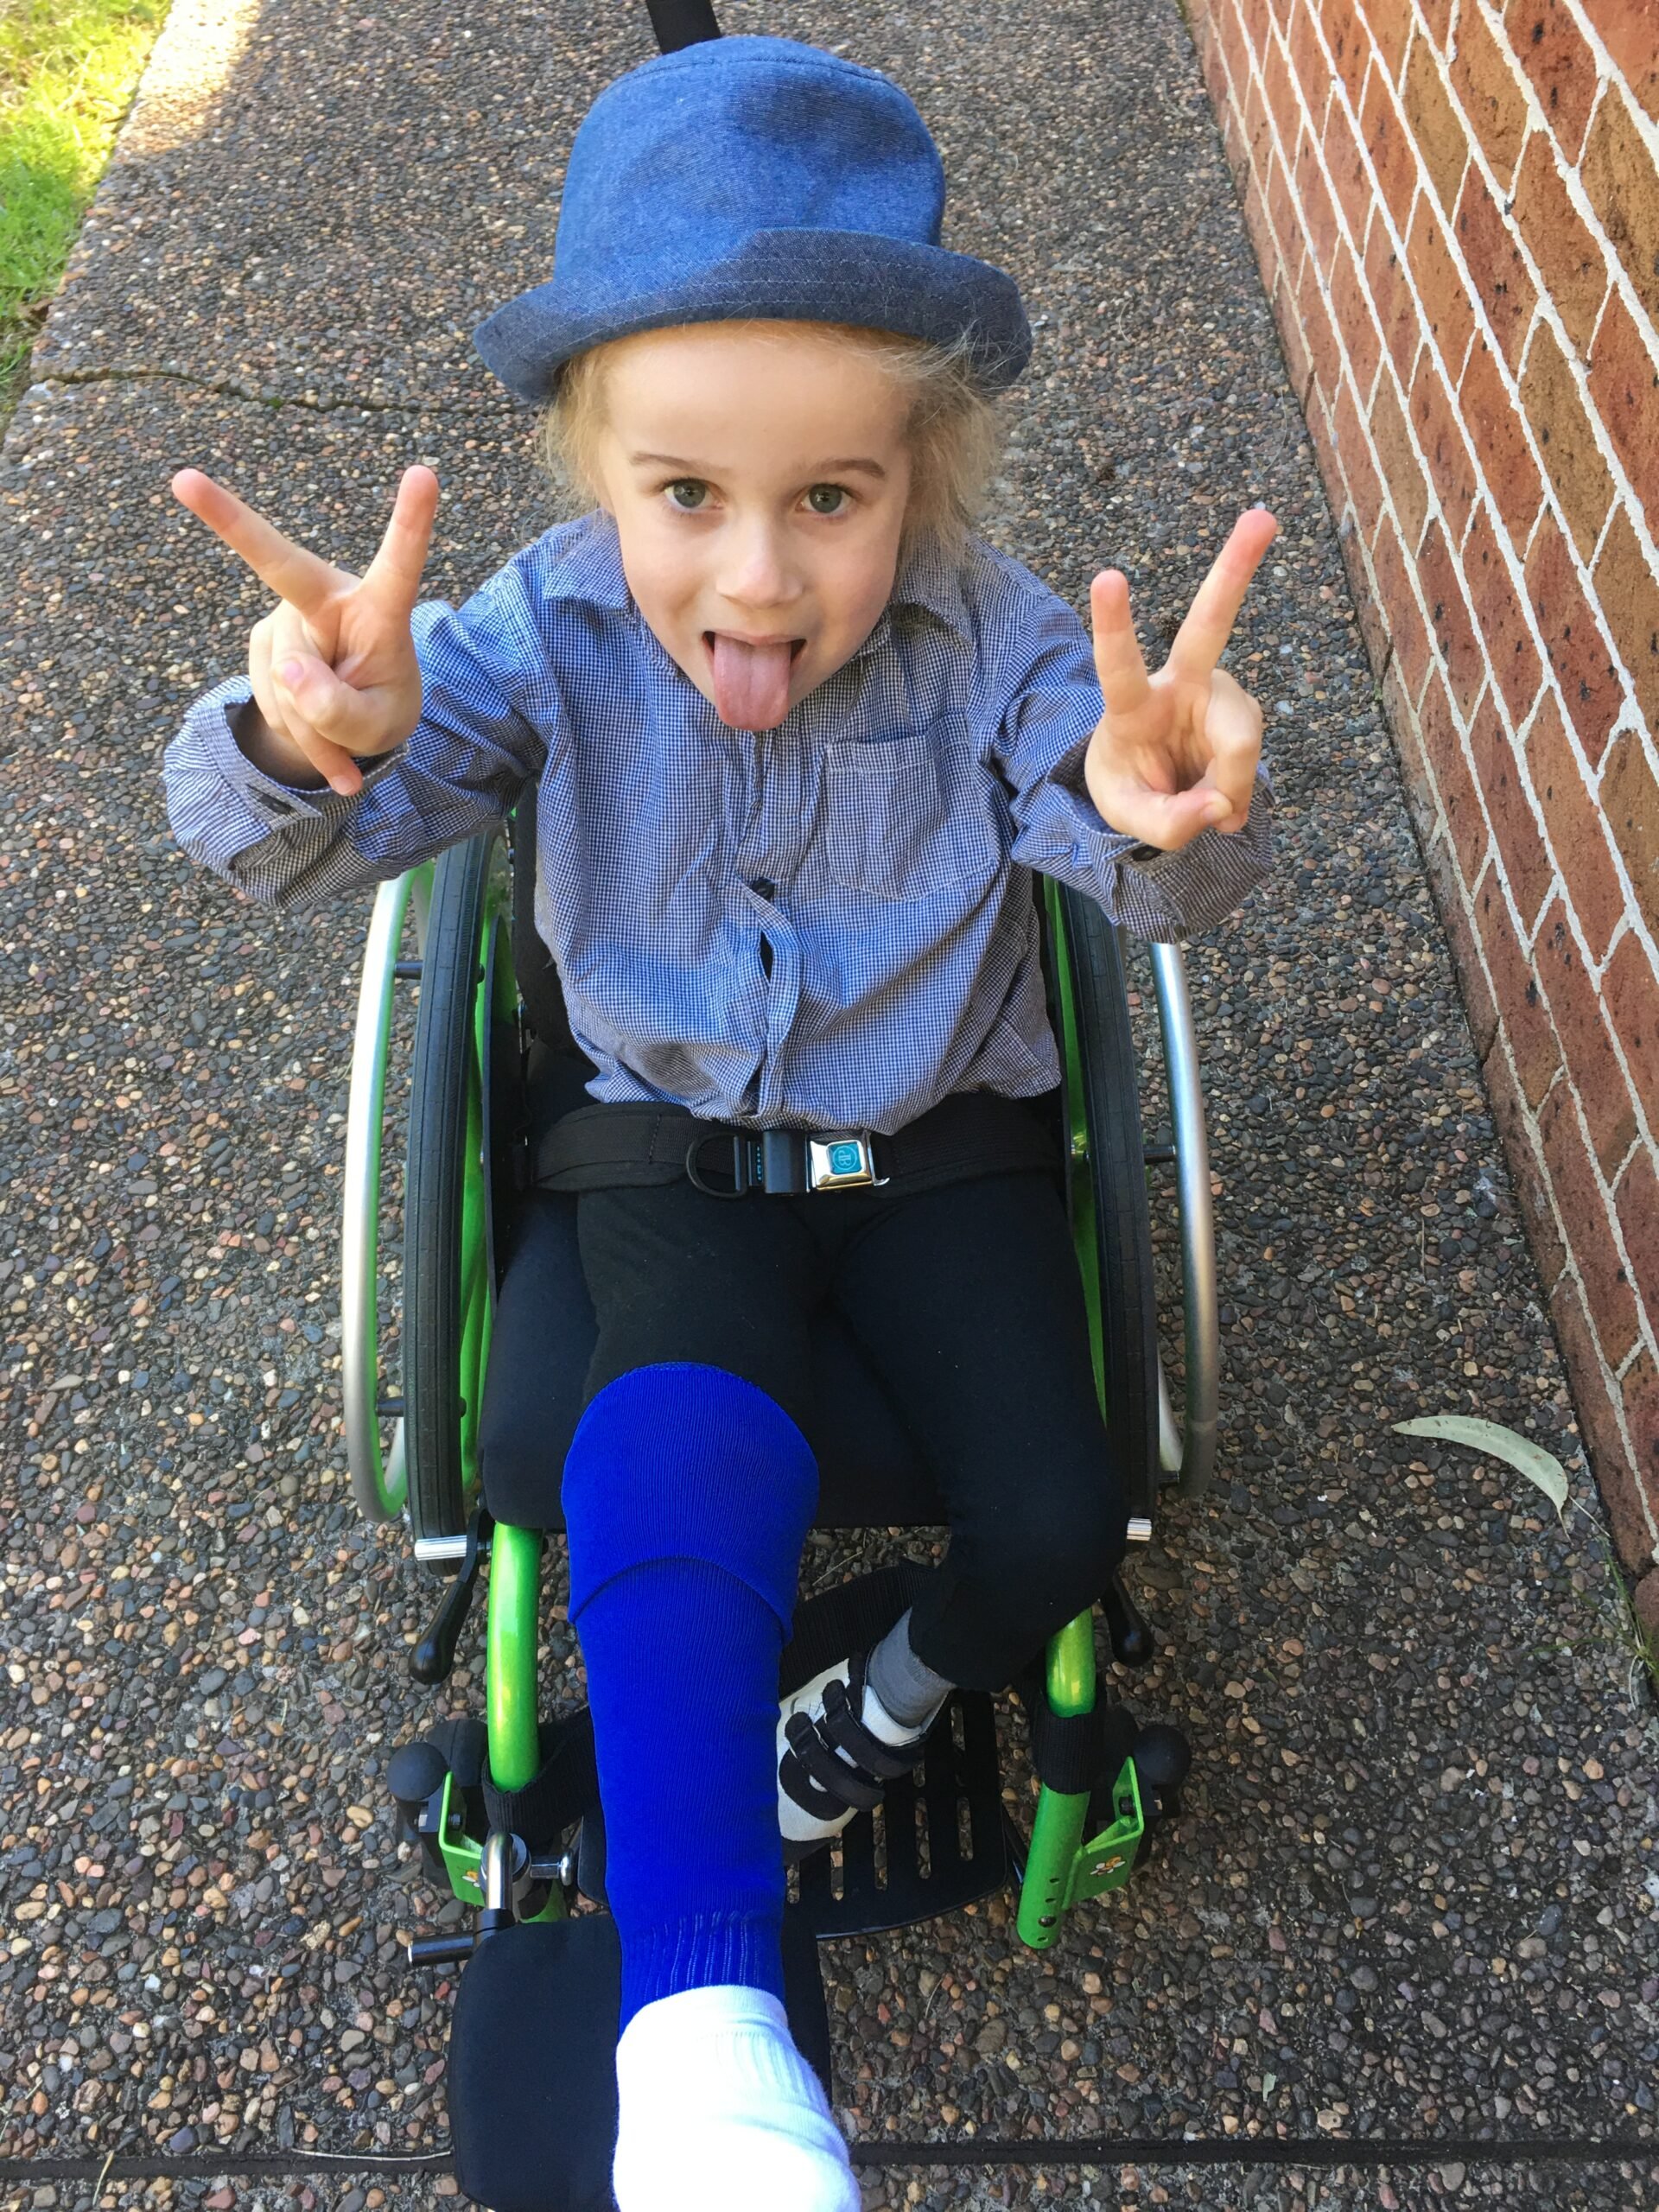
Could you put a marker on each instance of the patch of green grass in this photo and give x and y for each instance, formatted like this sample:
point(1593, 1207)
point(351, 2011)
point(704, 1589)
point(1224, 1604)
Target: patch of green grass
point(69, 69)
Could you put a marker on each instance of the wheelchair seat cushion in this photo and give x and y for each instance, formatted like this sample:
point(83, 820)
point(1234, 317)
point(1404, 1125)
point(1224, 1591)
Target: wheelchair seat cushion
point(870, 1474)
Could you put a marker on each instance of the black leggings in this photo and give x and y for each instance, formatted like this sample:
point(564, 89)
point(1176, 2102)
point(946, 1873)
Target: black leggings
point(967, 1303)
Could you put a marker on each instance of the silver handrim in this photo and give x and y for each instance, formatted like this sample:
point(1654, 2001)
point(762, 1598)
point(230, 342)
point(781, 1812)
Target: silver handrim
point(1189, 1452)
point(380, 1486)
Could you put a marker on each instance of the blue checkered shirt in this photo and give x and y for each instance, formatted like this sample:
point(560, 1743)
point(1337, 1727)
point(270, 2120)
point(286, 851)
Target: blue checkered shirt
point(830, 924)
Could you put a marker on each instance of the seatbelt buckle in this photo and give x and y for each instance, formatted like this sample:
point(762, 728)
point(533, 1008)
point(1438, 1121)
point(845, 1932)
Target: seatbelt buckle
point(843, 1160)
point(785, 1164)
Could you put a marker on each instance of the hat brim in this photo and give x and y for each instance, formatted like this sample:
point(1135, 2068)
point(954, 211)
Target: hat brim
point(785, 275)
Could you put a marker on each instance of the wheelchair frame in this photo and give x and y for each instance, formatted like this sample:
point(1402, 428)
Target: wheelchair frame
point(450, 1284)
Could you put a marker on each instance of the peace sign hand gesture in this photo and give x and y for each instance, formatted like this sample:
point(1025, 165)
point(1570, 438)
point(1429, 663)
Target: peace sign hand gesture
point(1176, 753)
point(332, 667)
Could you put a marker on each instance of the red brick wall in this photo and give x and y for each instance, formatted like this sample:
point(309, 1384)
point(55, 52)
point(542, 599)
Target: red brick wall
point(1455, 204)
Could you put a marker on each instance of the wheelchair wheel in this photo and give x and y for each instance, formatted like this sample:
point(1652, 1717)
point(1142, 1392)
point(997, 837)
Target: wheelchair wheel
point(1108, 1179)
point(380, 1480)
point(1187, 1447)
point(468, 999)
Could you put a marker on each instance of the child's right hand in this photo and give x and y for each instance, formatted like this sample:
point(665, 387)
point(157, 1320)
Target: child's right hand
point(332, 667)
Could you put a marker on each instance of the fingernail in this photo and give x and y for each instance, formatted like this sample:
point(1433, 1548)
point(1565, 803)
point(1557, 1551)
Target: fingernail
point(290, 671)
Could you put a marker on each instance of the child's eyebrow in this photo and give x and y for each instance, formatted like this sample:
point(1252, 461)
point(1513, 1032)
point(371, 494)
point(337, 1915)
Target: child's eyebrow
point(695, 469)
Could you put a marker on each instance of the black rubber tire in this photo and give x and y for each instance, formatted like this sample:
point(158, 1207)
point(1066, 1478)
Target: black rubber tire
point(1128, 1306)
point(435, 1180)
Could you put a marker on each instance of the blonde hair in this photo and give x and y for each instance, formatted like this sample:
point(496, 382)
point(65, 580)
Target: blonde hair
point(953, 429)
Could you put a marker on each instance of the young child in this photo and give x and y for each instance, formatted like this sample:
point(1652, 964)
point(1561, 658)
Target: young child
point(798, 740)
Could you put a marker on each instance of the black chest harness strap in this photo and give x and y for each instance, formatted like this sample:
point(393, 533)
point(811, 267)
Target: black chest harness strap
point(971, 1133)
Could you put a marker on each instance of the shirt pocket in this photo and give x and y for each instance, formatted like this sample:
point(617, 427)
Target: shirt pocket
point(907, 817)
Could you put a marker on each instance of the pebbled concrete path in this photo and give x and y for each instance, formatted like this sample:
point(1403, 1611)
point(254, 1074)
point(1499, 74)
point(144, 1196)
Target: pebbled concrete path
point(1415, 1894)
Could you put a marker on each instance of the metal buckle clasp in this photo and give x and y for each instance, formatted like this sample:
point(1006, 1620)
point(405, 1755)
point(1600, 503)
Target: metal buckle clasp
point(843, 1160)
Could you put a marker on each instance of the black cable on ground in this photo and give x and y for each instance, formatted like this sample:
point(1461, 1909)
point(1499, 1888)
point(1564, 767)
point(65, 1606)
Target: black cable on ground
point(1082, 2150)
point(278, 2167)
point(1258, 2150)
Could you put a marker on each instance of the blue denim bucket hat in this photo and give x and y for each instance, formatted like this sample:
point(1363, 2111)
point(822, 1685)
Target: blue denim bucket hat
point(753, 177)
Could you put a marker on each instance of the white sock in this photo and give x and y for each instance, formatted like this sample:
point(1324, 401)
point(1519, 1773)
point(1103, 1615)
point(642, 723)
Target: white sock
point(718, 2112)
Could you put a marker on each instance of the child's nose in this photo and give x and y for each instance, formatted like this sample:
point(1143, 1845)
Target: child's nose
point(756, 573)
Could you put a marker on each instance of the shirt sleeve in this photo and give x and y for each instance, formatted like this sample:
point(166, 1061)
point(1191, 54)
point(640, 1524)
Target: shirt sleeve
point(1044, 735)
point(487, 700)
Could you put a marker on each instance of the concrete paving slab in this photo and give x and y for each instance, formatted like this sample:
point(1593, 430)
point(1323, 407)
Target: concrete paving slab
point(1414, 1892)
point(319, 203)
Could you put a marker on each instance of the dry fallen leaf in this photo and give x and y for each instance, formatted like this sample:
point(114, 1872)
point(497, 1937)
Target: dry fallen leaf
point(1543, 1472)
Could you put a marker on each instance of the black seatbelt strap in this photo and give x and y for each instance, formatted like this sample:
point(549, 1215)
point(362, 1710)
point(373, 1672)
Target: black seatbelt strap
point(629, 1146)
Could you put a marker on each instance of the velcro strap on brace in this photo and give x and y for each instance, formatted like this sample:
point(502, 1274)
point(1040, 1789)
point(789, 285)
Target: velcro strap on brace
point(832, 1776)
point(849, 1734)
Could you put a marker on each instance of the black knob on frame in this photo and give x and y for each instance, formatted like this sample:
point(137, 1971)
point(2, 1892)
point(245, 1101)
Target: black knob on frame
point(1163, 1759)
point(415, 1773)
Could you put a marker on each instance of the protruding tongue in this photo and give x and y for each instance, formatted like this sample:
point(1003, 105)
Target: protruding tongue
point(751, 683)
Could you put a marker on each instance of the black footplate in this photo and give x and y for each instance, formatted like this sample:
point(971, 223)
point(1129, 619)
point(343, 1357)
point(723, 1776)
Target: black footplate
point(936, 1841)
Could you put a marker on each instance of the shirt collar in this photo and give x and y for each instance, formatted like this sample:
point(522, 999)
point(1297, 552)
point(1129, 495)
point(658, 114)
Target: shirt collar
point(589, 568)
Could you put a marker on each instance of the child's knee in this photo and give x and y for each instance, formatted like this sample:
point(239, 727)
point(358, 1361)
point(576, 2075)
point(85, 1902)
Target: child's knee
point(1062, 1558)
point(688, 1462)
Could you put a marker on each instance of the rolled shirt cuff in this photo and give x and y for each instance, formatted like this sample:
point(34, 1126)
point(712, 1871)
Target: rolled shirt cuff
point(222, 804)
point(1167, 896)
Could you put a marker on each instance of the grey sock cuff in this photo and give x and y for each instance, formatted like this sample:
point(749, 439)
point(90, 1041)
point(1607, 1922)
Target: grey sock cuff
point(907, 1687)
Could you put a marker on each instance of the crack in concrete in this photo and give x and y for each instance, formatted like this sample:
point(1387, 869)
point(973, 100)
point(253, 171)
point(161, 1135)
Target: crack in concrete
point(228, 389)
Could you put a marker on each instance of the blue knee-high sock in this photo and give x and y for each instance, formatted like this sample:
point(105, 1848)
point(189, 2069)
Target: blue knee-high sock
point(687, 1495)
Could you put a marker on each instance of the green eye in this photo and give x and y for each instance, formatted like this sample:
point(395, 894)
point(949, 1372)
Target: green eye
point(688, 494)
point(826, 498)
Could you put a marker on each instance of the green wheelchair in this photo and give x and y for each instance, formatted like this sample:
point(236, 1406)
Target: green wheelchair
point(496, 1330)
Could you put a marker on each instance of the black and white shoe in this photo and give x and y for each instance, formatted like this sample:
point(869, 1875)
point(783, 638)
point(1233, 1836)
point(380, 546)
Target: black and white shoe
point(837, 1750)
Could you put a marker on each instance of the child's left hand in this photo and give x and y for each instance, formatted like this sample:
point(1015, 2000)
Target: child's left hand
point(1176, 753)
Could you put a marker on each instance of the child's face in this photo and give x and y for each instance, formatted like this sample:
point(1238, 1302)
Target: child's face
point(759, 480)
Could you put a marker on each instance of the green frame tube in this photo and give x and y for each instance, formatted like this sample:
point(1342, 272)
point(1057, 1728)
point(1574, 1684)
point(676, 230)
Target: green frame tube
point(496, 1002)
point(513, 1629)
point(511, 1639)
point(1057, 1832)
point(511, 1705)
